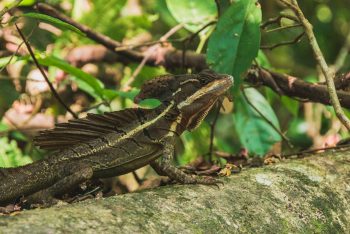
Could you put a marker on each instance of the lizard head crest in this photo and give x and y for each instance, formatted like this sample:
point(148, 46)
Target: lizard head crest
point(166, 87)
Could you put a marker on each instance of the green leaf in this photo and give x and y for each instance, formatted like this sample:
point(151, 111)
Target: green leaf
point(27, 2)
point(11, 155)
point(223, 5)
point(6, 60)
point(86, 87)
point(150, 103)
point(236, 40)
point(56, 22)
point(254, 132)
point(193, 14)
point(94, 84)
point(110, 94)
point(18, 136)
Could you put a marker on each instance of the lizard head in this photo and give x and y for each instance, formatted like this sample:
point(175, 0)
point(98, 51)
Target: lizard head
point(194, 95)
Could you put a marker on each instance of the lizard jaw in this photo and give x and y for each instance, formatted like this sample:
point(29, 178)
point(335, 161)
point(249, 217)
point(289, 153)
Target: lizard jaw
point(210, 92)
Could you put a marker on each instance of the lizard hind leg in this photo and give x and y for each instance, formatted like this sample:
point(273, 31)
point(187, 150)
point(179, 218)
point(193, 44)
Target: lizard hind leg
point(163, 166)
point(47, 197)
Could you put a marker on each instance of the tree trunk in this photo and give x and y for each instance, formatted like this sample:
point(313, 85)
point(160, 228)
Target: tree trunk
point(310, 195)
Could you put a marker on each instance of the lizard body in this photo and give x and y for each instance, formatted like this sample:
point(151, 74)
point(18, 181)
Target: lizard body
point(118, 142)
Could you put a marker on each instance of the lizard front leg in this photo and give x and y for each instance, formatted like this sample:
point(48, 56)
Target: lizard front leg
point(47, 197)
point(163, 166)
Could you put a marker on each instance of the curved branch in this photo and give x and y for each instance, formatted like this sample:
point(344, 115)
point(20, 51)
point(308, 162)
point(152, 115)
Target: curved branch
point(280, 83)
point(295, 87)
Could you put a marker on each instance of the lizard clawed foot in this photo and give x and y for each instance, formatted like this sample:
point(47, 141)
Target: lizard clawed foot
point(180, 176)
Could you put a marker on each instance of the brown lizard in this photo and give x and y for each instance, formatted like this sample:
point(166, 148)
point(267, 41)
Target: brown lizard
point(118, 142)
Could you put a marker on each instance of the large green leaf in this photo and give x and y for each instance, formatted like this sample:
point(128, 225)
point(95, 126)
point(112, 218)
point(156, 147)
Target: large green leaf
point(222, 5)
point(236, 40)
point(94, 85)
point(194, 14)
point(51, 20)
point(254, 132)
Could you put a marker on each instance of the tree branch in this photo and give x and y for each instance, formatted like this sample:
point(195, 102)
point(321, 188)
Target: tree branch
point(280, 83)
point(328, 73)
point(171, 59)
point(294, 87)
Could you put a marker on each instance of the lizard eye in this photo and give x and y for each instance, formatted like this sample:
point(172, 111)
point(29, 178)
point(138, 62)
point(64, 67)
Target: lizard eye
point(206, 76)
point(203, 81)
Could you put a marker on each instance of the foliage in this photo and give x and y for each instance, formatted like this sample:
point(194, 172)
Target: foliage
point(254, 132)
point(11, 155)
point(235, 42)
point(45, 18)
point(231, 45)
point(193, 14)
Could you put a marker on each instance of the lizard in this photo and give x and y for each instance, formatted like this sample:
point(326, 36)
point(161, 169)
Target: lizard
point(115, 143)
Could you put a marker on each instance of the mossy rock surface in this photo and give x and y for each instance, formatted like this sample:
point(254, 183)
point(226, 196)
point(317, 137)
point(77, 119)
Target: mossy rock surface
point(310, 195)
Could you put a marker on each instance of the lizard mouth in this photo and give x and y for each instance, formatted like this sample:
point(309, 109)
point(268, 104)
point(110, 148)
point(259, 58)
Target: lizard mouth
point(208, 94)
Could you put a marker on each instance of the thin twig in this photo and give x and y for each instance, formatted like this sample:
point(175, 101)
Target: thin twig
point(188, 40)
point(11, 5)
point(284, 137)
point(193, 35)
point(44, 74)
point(172, 59)
point(135, 46)
point(17, 49)
point(151, 50)
point(283, 28)
point(162, 41)
point(328, 73)
point(2, 77)
point(12, 56)
point(137, 178)
point(291, 42)
point(310, 151)
point(278, 19)
point(95, 36)
point(212, 131)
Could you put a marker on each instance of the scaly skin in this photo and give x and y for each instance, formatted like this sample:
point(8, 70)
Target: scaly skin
point(118, 142)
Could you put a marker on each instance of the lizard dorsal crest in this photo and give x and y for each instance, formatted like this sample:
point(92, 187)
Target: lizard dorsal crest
point(161, 88)
point(166, 86)
point(91, 127)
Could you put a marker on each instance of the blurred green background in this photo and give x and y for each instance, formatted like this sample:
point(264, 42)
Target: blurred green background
point(26, 105)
